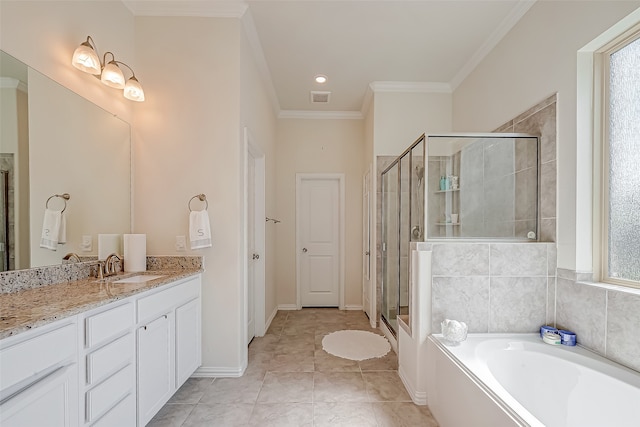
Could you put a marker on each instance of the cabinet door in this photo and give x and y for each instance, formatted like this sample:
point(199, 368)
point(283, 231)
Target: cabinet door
point(155, 370)
point(51, 402)
point(188, 353)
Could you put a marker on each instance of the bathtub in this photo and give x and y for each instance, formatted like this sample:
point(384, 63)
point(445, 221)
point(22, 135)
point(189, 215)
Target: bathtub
point(517, 380)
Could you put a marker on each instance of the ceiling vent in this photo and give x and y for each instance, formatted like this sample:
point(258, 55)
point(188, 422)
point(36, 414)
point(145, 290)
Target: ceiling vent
point(318, 97)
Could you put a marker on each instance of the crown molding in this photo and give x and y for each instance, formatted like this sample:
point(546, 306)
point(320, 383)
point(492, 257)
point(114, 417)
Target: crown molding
point(320, 115)
point(492, 41)
point(211, 9)
point(410, 87)
point(400, 87)
point(367, 101)
point(12, 83)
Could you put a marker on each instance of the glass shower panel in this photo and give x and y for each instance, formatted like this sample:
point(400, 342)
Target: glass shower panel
point(390, 246)
point(482, 186)
point(417, 192)
point(403, 185)
point(406, 180)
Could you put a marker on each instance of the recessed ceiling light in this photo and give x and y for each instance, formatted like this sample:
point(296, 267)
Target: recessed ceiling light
point(320, 78)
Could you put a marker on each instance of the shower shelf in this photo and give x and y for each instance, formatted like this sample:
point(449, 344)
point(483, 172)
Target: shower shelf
point(448, 191)
point(448, 223)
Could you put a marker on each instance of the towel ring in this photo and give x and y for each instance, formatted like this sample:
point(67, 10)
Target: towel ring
point(64, 197)
point(200, 197)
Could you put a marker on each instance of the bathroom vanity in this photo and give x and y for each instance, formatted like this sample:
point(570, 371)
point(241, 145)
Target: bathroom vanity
point(93, 353)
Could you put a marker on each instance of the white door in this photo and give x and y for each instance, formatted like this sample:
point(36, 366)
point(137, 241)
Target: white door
point(366, 244)
point(251, 244)
point(318, 225)
point(255, 201)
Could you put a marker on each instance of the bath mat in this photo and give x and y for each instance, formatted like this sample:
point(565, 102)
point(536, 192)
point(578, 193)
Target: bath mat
point(355, 345)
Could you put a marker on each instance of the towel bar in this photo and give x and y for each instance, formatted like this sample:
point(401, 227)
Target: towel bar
point(200, 197)
point(64, 197)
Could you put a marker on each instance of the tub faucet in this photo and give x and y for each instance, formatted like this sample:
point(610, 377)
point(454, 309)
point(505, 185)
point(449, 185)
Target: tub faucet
point(111, 265)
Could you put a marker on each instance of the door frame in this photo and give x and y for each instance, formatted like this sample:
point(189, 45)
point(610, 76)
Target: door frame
point(252, 150)
point(300, 177)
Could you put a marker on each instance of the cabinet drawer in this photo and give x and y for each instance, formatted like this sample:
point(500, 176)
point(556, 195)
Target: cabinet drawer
point(123, 415)
point(106, 395)
point(108, 324)
point(165, 300)
point(34, 356)
point(110, 358)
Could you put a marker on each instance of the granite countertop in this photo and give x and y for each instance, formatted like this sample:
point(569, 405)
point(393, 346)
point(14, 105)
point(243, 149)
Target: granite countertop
point(30, 308)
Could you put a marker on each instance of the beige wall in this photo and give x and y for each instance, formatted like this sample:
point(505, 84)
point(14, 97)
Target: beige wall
point(258, 115)
point(319, 146)
point(187, 141)
point(400, 118)
point(534, 60)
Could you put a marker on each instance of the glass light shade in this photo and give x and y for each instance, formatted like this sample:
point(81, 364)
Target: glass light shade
point(133, 90)
point(112, 76)
point(86, 59)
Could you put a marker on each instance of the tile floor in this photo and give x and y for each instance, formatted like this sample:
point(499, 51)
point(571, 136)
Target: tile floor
point(292, 381)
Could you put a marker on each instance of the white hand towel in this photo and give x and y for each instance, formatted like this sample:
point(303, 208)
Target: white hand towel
point(62, 235)
point(199, 229)
point(51, 229)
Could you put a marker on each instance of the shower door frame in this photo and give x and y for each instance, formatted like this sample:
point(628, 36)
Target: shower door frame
point(398, 162)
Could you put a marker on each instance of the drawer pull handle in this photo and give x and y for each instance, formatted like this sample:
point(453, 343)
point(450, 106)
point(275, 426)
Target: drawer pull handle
point(166, 316)
point(24, 385)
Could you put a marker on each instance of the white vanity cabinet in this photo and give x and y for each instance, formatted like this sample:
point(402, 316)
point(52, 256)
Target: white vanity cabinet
point(112, 366)
point(108, 380)
point(39, 377)
point(169, 343)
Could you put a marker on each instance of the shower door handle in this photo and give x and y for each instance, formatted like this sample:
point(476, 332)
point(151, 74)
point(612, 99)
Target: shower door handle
point(367, 253)
point(305, 250)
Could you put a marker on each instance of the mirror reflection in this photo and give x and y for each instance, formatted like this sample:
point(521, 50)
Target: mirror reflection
point(53, 141)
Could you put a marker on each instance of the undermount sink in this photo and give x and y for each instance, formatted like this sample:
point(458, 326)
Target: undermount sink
point(141, 278)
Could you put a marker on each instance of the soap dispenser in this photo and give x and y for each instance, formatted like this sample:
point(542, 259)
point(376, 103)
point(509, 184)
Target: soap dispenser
point(443, 183)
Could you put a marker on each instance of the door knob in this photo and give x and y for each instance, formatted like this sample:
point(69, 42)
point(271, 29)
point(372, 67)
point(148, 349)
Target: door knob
point(367, 253)
point(304, 250)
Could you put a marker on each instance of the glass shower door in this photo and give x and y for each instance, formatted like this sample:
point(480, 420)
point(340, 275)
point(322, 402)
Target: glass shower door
point(390, 246)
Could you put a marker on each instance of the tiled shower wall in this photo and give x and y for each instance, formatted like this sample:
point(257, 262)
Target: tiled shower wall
point(493, 287)
point(541, 120)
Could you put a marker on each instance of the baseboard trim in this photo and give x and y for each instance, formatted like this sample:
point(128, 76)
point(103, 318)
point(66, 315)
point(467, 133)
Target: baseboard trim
point(270, 319)
point(388, 335)
point(287, 307)
point(211, 371)
point(418, 397)
point(353, 307)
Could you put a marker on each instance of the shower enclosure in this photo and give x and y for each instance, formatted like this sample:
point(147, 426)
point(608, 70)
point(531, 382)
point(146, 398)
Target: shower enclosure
point(402, 222)
point(472, 187)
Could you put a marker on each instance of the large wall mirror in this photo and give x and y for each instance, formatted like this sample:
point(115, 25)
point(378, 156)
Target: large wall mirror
point(53, 141)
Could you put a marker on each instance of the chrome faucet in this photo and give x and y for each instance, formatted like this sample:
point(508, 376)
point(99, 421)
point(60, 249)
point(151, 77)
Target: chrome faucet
point(111, 265)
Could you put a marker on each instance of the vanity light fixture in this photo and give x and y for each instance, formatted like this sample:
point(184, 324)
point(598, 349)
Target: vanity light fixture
point(320, 78)
point(86, 58)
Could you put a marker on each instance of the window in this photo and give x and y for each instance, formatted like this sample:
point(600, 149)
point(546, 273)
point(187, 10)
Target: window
point(620, 158)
